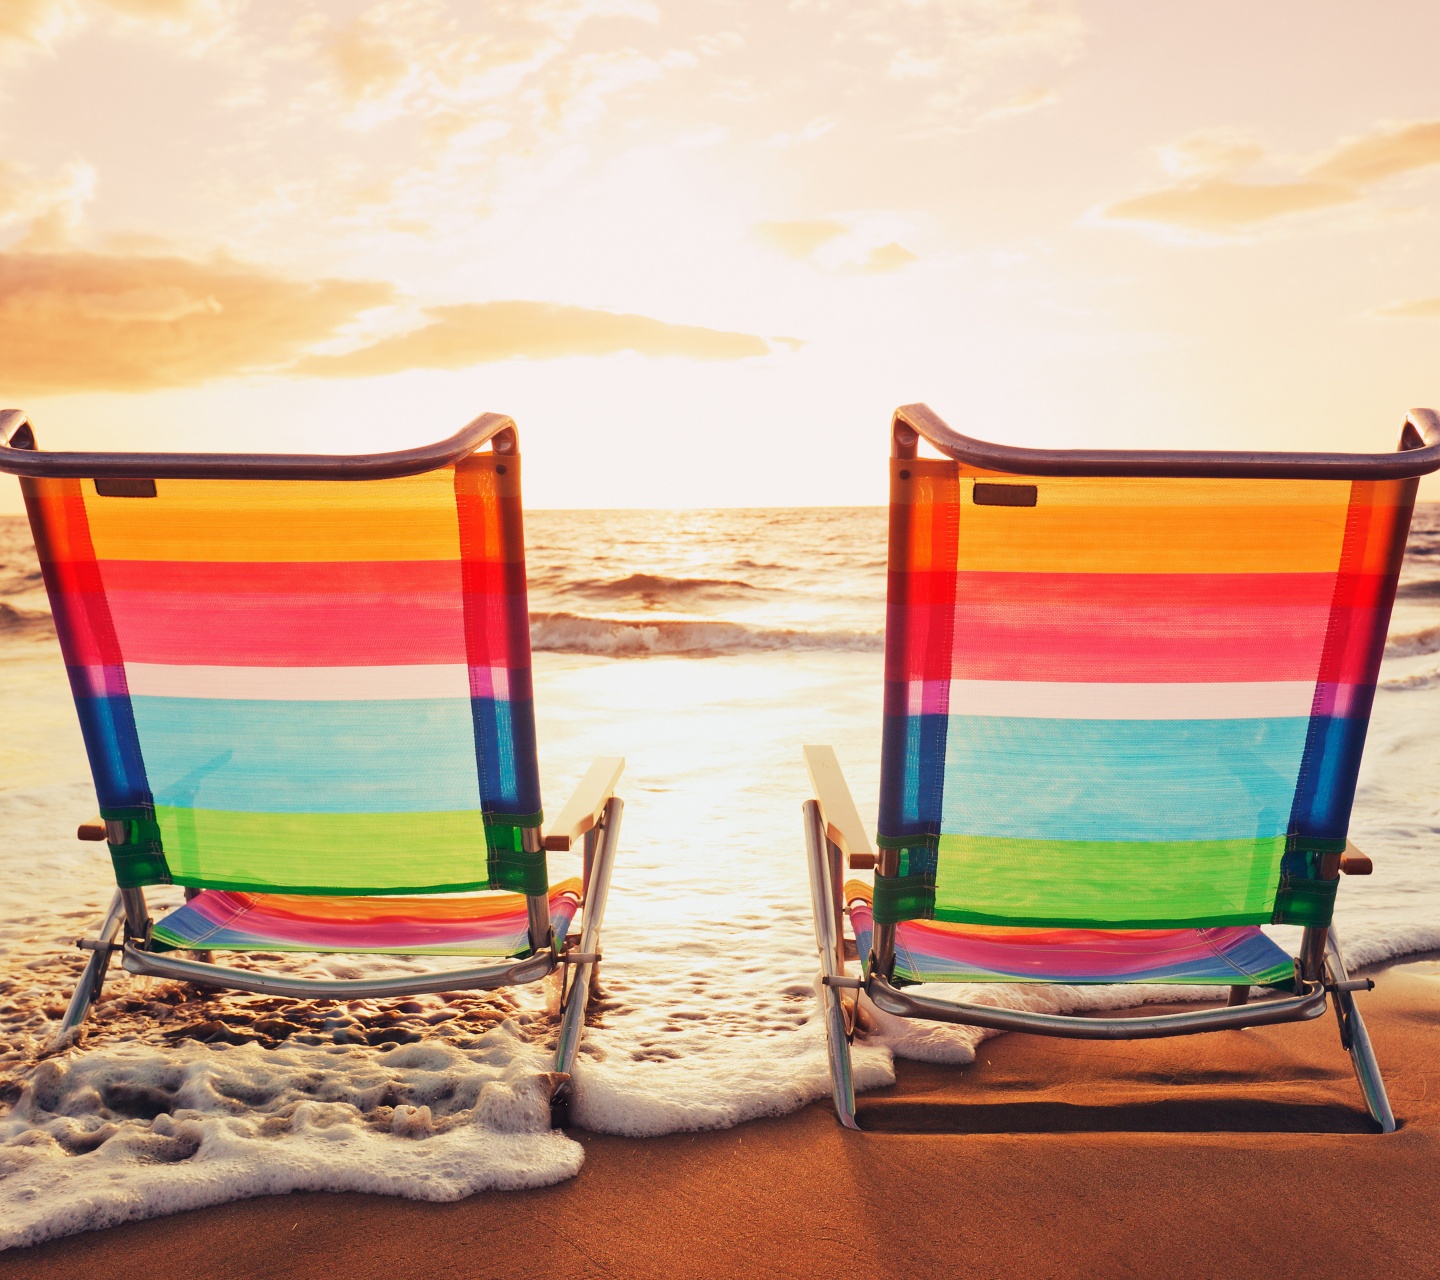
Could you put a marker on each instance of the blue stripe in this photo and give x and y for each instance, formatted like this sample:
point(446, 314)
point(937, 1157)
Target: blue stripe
point(107, 725)
point(1042, 779)
point(1327, 784)
point(401, 756)
point(504, 737)
point(911, 772)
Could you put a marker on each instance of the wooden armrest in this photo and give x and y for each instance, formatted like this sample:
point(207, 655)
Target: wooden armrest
point(842, 819)
point(1355, 863)
point(582, 810)
point(92, 830)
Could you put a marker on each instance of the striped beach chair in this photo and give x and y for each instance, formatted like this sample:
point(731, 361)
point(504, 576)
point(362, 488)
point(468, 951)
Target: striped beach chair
point(304, 688)
point(1126, 695)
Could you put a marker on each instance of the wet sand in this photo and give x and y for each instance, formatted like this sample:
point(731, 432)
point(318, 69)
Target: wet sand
point(1233, 1154)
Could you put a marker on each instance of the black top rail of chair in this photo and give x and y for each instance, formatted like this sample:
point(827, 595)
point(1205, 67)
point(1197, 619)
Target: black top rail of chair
point(20, 456)
point(1417, 454)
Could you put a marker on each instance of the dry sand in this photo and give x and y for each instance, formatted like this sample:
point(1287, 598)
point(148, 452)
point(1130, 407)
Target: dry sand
point(1233, 1154)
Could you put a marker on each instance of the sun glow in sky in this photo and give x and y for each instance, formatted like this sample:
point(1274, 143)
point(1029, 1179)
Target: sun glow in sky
point(700, 249)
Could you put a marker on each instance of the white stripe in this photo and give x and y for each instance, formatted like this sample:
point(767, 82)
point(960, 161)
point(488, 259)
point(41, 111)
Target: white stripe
point(308, 684)
point(1250, 700)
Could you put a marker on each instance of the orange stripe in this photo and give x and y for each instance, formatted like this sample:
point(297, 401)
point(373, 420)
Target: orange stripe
point(409, 518)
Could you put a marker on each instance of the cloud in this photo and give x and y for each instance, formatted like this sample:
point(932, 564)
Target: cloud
point(1220, 204)
point(481, 332)
point(1411, 309)
point(835, 246)
point(34, 21)
point(91, 322)
point(1210, 198)
point(53, 207)
point(797, 239)
point(888, 257)
point(41, 22)
point(1398, 149)
point(366, 64)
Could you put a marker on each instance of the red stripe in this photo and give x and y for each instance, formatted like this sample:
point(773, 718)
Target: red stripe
point(1136, 627)
point(83, 623)
point(349, 613)
point(308, 578)
point(1124, 590)
point(288, 631)
point(1375, 539)
point(496, 625)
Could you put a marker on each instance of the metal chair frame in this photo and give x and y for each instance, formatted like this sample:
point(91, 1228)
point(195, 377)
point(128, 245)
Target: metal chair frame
point(593, 812)
point(832, 836)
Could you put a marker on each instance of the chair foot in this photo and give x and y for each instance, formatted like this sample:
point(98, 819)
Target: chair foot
point(842, 1078)
point(1356, 1039)
point(1362, 1058)
point(560, 1107)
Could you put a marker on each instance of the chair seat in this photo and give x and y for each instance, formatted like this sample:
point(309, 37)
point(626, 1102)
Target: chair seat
point(935, 951)
point(491, 924)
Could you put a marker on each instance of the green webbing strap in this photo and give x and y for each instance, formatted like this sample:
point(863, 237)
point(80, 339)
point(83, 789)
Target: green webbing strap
point(1313, 844)
point(907, 842)
point(511, 866)
point(140, 860)
point(900, 898)
point(1303, 901)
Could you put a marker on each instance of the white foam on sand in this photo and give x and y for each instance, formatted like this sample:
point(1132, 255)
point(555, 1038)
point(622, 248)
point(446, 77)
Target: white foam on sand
point(133, 1131)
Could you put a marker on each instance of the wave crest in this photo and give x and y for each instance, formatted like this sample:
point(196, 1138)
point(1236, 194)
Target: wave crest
point(612, 637)
point(17, 621)
point(657, 588)
point(1414, 644)
point(1420, 680)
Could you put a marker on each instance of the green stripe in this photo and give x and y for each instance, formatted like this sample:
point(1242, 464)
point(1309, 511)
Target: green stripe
point(342, 853)
point(1107, 883)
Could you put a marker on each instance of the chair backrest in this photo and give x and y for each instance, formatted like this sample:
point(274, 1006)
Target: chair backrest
point(1128, 700)
point(303, 685)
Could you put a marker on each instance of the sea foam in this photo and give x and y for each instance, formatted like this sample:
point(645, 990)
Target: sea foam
point(131, 1131)
point(564, 632)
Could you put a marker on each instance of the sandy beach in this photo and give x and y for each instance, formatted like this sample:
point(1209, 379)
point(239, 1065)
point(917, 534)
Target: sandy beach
point(1238, 1153)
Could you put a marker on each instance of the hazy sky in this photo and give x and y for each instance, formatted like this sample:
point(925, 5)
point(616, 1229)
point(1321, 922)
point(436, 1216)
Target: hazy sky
point(701, 249)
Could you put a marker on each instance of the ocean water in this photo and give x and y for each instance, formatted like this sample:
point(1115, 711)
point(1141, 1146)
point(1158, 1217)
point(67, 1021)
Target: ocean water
point(706, 647)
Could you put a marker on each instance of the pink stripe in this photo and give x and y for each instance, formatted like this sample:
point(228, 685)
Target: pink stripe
point(1060, 955)
point(1177, 645)
point(288, 631)
point(238, 917)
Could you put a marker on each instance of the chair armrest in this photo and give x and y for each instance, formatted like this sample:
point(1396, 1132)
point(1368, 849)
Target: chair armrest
point(1355, 863)
point(582, 810)
point(92, 830)
point(837, 807)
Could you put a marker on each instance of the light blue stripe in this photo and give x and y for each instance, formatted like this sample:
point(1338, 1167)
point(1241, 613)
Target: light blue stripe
point(401, 756)
point(1121, 779)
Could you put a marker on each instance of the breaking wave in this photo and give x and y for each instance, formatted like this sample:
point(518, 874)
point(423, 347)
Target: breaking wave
point(658, 588)
point(623, 638)
point(1414, 644)
point(17, 621)
point(1419, 680)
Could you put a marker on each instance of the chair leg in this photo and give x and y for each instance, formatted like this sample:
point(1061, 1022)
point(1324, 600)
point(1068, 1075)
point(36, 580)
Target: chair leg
point(827, 933)
point(1356, 1039)
point(87, 990)
point(837, 1043)
point(572, 1015)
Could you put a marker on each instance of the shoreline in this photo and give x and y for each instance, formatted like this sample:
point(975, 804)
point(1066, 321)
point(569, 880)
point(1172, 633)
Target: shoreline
point(1231, 1153)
